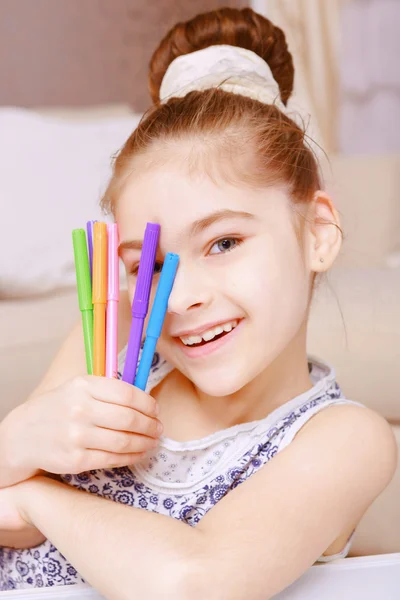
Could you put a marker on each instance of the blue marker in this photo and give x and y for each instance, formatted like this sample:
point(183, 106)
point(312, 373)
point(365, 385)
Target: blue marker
point(156, 318)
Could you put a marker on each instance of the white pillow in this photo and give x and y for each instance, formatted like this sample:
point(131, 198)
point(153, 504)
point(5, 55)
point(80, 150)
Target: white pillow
point(52, 175)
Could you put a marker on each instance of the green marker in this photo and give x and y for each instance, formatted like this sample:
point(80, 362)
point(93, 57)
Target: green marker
point(84, 285)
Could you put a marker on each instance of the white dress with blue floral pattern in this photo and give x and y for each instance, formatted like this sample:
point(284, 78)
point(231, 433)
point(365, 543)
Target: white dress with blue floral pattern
point(181, 479)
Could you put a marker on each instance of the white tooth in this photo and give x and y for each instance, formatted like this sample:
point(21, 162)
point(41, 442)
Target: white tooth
point(209, 335)
point(193, 339)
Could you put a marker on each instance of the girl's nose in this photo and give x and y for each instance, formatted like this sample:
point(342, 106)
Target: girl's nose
point(189, 291)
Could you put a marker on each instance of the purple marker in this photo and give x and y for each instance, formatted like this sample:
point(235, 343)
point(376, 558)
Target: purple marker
point(140, 304)
point(89, 229)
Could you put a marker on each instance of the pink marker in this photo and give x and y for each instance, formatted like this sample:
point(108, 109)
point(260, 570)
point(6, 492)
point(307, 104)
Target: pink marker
point(112, 302)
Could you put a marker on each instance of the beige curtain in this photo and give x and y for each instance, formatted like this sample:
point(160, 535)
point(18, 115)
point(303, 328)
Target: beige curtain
point(312, 32)
point(370, 77)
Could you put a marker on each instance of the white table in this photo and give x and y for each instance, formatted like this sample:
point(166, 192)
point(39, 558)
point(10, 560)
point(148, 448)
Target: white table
point(361, 578)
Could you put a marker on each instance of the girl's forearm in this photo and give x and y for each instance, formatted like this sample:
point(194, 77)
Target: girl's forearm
point(11, 471)
point(123, 552)
point(11, 474)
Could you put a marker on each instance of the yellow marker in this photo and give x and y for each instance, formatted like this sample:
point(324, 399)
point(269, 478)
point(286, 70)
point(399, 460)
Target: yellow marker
point(99, 297)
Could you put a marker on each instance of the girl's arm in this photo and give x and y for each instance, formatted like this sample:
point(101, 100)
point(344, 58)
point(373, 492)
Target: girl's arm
point(123, 552)
point(257, 540)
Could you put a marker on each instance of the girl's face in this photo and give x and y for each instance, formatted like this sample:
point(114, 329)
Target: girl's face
point(242, 281)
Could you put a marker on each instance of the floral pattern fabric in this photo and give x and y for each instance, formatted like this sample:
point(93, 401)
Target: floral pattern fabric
point(183, 480)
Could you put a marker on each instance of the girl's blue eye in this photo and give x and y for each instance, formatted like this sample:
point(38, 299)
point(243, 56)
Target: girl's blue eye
point(225, 245)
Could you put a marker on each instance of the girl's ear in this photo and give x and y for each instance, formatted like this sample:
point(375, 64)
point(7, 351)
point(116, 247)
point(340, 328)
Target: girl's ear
point(325, 233)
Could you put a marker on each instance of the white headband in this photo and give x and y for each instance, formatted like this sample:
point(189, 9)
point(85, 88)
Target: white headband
point(230, 68)
point(235, 70)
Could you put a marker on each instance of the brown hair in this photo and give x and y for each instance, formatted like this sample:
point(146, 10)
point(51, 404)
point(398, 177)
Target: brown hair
point(233, 125)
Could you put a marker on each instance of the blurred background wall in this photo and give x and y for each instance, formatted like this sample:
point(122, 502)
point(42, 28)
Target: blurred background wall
point(369, 86)
point(87, 52)
point(347, 72)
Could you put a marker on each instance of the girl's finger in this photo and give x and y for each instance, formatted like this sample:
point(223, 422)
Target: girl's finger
point(122, 418)
point(118, 442)
point(118, 392)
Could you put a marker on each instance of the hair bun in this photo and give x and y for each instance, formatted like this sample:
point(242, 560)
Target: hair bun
point(243, 28)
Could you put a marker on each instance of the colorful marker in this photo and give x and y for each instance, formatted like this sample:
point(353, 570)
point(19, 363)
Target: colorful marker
point(140, 304)
point(89, 229)
point(99, 296)
point(112, 302)
point(157, 317)
point(84, 285)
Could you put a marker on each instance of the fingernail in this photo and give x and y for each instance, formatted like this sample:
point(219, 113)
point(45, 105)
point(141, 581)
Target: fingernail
point(157, 409)
point(160, 428)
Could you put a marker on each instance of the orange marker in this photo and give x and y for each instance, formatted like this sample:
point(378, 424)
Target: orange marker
point(99, 297)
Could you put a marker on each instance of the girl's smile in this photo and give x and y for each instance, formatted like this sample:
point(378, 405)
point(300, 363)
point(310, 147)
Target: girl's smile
point(198, 346)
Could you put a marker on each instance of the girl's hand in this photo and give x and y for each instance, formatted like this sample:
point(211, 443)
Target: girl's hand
point(15, 530)
point(87, 423)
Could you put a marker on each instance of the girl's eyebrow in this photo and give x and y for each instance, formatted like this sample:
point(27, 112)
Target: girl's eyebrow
point(196, 227)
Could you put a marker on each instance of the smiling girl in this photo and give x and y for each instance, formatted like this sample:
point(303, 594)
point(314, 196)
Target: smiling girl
point(243, 439)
